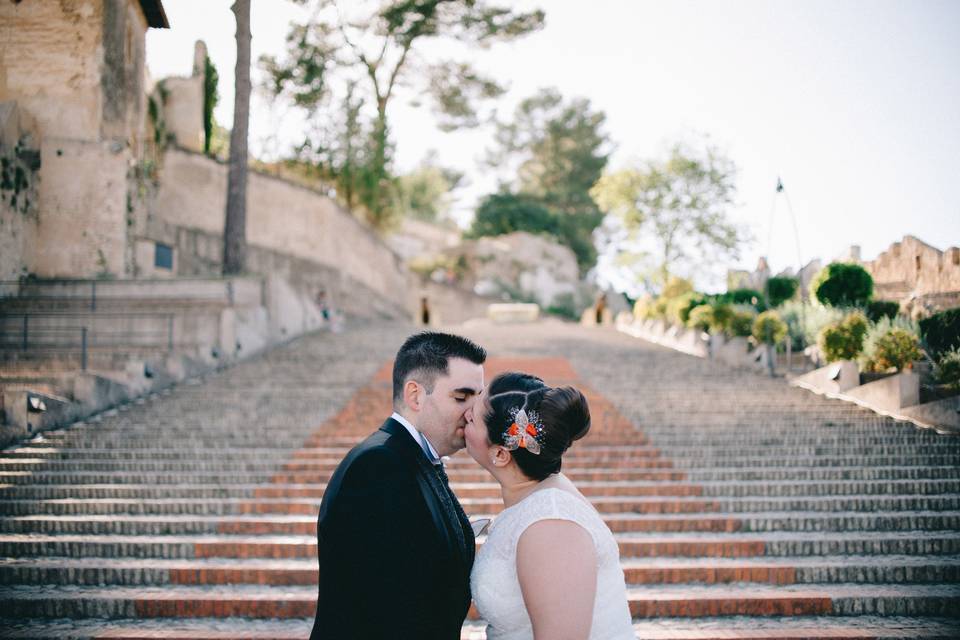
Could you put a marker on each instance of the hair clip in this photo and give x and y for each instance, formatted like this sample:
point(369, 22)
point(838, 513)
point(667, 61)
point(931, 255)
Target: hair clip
point(526, 431)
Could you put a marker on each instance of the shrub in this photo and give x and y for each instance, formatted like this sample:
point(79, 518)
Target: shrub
point(867, 359)
point(743, 296)
point(941, 332)
point(947, 368)
point(701, 317)
point(768, 328)
point(643, 308)
point(678, 309)
point(843, 340)
point(564, 305)
point(722, 315)
point(741, 323)
point(896, 349)
point(780, 289)
point(676, 287)
point(805, 321)
point(842, 284)
point(879, 309)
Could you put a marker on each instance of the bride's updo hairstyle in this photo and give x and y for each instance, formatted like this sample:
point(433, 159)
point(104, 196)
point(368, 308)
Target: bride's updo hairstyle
point(563, 411)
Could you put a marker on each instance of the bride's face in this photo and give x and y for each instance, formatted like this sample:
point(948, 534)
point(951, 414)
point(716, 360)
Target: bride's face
point(475, 432)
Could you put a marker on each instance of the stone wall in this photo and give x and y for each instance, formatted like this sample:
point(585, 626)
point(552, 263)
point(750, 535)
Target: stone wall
point(19, 160)
point(288, 228)
point(183, 104)
point(914, 266)
point(77, 69)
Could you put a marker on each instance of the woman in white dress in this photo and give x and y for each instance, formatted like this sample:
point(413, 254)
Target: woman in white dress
point(550, 568)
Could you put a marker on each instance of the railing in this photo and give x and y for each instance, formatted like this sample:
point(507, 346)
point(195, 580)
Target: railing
point(72, 338)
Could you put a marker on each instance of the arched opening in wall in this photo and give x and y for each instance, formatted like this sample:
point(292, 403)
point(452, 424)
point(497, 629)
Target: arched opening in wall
point(918, 262)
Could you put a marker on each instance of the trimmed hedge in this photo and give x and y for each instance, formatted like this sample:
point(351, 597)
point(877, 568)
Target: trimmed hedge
point(878, 309)
point(780, 289)
point(941, 332)
point(842, 284)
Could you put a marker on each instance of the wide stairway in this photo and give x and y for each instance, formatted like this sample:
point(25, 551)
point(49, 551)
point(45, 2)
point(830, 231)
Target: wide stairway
point(744, 508)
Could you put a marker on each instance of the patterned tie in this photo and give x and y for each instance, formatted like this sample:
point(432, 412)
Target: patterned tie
point(452, 505)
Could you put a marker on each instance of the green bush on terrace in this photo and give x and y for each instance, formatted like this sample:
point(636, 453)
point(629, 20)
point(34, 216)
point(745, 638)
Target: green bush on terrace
point(843, 340)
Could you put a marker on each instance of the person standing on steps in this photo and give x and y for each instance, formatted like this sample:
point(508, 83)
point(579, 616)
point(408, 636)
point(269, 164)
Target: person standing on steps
point(394, 546)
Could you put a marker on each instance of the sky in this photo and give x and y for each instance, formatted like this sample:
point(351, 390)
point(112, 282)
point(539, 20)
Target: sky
point(853, 104)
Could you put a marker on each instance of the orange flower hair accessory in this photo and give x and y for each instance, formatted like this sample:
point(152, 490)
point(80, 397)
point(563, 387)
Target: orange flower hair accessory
point(524, 432)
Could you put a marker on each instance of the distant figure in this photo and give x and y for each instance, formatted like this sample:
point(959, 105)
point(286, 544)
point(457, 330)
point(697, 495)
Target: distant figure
point(600, 307)
point(424, 312)
point(322, 303)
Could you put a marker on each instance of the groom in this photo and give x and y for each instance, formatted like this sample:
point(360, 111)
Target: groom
point(395, 548)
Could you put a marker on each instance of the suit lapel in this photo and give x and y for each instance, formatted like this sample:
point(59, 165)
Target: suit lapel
point(439, 501)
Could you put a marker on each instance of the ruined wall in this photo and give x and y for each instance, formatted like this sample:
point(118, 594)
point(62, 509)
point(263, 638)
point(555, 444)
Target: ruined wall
point(282, 218)
point(183, 103)
point(19, 185)
point(77, 68)
point(914, 266)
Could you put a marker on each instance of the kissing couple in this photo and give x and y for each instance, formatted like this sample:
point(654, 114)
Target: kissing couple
point(396, 550)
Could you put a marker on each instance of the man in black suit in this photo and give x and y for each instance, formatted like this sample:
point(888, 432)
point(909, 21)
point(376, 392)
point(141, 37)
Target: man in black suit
point(395, 547)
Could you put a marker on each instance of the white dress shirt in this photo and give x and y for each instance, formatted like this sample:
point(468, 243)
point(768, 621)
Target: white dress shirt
point(419, 438)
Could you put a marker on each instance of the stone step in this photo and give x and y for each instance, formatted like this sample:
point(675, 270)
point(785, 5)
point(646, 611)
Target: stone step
point(726, 628)
point(283, 457)
point(686, 544)
point(94, 484)
point(215, 501)
point(262, 601)
point(211, 571)
point(303, 471)
point(798, 628)
point(791, 600)
point(173, 524)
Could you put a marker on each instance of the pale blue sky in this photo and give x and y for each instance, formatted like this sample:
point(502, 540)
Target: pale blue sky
point(855, 104)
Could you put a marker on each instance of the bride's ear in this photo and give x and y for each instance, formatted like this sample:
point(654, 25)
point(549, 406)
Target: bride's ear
point(499, 457)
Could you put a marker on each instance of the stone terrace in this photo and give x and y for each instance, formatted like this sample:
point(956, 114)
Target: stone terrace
point(744, 508)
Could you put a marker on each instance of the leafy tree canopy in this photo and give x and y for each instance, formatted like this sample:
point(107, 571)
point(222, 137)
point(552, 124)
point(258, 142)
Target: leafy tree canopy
point(842, 284)
point(673, 212)
point(375, 49)
point(425, 192)
point(554, 150)
point(502, 213)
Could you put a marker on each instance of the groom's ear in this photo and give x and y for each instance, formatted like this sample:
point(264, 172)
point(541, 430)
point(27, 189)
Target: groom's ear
point(413, 395)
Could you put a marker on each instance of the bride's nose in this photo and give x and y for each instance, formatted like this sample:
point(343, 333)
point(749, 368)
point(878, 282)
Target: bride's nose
point(468, 414)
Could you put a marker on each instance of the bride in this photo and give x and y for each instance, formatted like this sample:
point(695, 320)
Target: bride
point(550, 568)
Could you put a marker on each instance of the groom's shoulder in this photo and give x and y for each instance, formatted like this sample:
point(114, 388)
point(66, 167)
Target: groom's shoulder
point(378, 453)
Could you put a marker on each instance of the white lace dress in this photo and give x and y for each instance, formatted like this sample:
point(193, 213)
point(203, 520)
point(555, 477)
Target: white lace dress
point(494, 583)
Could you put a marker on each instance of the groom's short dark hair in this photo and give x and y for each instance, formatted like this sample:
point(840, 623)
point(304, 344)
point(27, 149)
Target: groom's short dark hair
point(426, 355)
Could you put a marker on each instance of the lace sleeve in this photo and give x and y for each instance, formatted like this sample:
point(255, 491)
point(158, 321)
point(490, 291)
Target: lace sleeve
point(551, 504)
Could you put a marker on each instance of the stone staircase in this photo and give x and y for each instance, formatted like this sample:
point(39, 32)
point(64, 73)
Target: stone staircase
point(744, 508)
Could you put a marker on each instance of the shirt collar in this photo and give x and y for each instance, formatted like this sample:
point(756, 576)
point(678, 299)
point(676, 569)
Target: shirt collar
point(418, 436)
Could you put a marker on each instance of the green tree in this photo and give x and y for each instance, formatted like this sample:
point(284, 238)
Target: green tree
point(779, 289)
point(558, 150)
point(842, 284)
point(502, 213)
point(678, 207)
point(376, 46)
point(210, 99)
point(425, 192)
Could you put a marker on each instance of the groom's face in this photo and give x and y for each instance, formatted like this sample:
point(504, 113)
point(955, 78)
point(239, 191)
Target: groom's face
point(442, 417)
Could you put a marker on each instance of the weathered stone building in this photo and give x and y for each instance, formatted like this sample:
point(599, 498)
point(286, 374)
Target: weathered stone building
point(915, 274)
point(73, 123)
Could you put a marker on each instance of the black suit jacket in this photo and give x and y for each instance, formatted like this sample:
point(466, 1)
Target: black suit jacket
point(395, 549)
